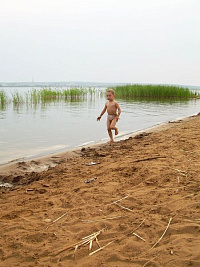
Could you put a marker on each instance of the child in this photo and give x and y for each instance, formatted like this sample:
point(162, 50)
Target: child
point(114, 112)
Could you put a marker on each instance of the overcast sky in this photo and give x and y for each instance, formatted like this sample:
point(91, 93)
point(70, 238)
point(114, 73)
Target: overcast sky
point(139, 41)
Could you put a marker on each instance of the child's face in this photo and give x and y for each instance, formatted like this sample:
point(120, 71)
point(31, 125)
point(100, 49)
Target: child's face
point(110, 96)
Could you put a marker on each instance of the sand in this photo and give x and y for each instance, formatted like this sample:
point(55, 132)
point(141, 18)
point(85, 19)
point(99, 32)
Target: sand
point(157, 173)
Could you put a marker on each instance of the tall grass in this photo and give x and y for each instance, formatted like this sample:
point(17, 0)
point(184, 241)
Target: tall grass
point(17, 98)
point(153, 92)
point(74, 93)
point(3, 99)
point(33, 97)
point(46, 95)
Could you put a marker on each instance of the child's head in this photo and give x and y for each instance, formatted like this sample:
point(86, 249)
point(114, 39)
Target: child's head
point(110, 94)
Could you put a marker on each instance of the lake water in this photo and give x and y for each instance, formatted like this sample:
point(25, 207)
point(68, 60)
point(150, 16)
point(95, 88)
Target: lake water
point(31, 131)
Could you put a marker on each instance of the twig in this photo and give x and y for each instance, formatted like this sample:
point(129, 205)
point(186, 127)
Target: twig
point(181, 172)
point(149, 261)
point(131, 231)
point(76, 247)
point(138, 226)
point(96, 233)
point(145, 159)
point(98, 242)
point(117, 200)
point(85, 241)
point(56, 220)
point(99, 249)
point(124, 207)
point(163, 233)
point(59, 217)
point(139, 236)
point(90, 246)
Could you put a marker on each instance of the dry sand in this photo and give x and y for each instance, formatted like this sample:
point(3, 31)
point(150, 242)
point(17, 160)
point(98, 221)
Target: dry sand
point(158, 171)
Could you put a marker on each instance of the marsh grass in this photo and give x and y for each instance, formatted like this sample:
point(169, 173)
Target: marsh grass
point(154, 92)
point(75, 93)
point(47, 95)
point(137, 92)
point(3, 99)
point(17, 98)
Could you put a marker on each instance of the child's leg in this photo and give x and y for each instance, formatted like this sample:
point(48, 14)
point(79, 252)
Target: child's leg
point(109, 130)
point(113, 126)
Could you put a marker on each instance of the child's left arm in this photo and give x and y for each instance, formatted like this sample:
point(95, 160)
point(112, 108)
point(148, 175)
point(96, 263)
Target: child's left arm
point(119, 111)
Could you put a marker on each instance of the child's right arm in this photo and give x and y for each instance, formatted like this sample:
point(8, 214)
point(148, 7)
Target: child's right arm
point(103, 111)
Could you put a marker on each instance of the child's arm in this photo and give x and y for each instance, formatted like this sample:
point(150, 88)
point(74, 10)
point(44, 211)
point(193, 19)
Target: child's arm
point(103, 111)
point(119, 111)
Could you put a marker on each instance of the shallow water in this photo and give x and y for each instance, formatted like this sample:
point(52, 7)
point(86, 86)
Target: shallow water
point(28, 131)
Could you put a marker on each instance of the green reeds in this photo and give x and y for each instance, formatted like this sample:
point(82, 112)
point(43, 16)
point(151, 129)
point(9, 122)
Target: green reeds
point(17, 98)
point(154, 92)
point(47, 95)
point(33, 97)
point(3, 99)
point(74, 93)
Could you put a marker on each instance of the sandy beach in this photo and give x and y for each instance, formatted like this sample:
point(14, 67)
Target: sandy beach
point(142, 200)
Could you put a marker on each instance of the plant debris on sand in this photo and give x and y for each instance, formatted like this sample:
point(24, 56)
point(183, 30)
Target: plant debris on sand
point(137, 213)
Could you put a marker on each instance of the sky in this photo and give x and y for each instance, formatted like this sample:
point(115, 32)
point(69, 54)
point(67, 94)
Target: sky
point(133, 41)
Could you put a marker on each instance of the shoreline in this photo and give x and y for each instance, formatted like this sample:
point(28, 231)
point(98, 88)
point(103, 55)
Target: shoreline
point(142, 197)
point(93, 144)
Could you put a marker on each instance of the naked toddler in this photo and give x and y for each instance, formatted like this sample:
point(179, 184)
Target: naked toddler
point(114, 111)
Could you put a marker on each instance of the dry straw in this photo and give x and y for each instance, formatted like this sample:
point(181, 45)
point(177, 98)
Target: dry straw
point(163, 233)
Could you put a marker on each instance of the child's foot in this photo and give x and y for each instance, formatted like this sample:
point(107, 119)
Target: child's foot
point(110, 141)
point(116, 131)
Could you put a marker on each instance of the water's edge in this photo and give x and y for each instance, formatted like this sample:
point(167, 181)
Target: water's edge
point(92, 143)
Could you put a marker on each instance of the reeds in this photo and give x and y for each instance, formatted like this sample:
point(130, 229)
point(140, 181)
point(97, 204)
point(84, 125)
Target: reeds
point(17, 98)
point(131, 91)
point(75, 93)
point(3, 99)
point(128, 92)
point(47, 95)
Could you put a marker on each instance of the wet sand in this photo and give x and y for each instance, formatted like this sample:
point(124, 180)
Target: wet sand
point(156, 174)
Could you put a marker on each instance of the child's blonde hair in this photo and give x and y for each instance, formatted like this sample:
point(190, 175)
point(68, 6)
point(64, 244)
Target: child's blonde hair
point(111, 91)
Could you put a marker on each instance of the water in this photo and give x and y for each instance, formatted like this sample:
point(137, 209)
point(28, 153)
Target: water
point(30, 131)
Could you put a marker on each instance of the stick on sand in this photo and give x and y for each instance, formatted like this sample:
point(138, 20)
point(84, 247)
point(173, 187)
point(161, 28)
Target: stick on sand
point(139, 236)
point(56, 220)
point(162, 234)
point(117, 201)
point(149, 261)
point(99, 249)
point(123, 207)
point(158, 157)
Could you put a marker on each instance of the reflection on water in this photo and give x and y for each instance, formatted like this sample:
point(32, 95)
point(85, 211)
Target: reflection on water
point(31, 129)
